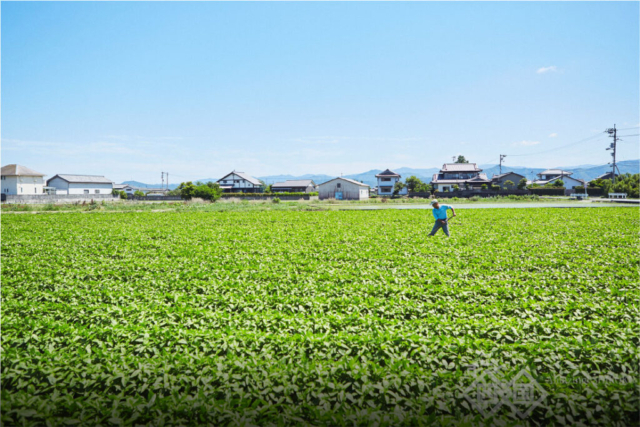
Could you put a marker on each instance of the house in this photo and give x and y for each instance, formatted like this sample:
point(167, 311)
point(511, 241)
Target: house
point(240, 182)
point(550, 176)
point(387, 181)
point(294, 186)
point(17, 179)
point(507, 176)
point(124, 187)
point(343, 189)
point(607, 175)
point(464, 175)
point(80, 184)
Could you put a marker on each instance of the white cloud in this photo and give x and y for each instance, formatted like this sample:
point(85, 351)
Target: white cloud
point(547, 69)
point(525, 143)
point(553, 135)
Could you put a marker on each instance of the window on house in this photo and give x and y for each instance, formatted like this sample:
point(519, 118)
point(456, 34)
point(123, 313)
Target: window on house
point(97, 191)
point(339, 185)
point(386, 179)
point(86, 191)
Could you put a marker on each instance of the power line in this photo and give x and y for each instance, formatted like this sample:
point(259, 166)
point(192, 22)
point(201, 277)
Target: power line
point(599, 136)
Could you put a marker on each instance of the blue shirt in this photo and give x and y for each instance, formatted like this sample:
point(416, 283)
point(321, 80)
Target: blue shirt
point(441, 212)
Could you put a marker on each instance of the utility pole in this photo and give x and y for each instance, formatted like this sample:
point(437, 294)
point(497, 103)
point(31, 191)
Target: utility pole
point(613, 132)
point(502, 156)
point(162, 178)
point(167, 181)
point(453, 158)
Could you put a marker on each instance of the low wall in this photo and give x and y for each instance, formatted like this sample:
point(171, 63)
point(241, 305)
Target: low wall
point(43, 199)
point(294, 198)
point(480, 193)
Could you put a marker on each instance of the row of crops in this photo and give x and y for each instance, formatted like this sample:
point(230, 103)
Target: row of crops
point(321, 318)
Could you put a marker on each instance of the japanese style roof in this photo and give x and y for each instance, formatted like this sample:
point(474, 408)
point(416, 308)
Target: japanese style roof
point(502, 175)
point(18, 170)
point(555, 172)
point(353, 181)
point(82, 179)
point(546, 181)
point(460, 167)
point(388, 173)
point(244, 176)
point(605, 176)
point(293, 183)
point(482, 177)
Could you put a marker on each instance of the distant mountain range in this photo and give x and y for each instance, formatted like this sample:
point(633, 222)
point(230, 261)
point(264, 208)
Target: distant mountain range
point(586, 172)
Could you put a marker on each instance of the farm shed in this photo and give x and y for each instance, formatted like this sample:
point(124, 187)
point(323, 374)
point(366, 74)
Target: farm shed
point(294, 186)
point(343, 189)
point(80, 184)
point(17, 179)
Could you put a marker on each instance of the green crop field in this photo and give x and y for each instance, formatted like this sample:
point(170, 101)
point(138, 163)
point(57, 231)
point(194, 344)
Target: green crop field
point(321, 318)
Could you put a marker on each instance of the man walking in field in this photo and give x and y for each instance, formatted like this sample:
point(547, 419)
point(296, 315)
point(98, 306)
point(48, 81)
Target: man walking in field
point(440, 214)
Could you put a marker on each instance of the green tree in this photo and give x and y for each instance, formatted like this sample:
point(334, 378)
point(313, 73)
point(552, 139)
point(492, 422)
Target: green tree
point(138, 193)
point(187, 190)
point(123, 195)
point(483, 186)
point(398, 187)
point(509, 184)
point(413, 183)
point(456, 187)
point(559, 183)
point(522, 184)
point(495, 187)
point(461, 159)
point(210, 191)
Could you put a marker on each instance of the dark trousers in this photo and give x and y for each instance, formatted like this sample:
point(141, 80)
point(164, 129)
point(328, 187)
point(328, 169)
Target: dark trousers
point(438, 225)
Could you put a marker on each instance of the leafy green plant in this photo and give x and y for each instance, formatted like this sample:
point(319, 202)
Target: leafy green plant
point(319, 318)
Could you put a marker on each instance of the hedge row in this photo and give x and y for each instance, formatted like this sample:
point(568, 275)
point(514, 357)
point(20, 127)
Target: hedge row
point(284, 193)
point(547, 191)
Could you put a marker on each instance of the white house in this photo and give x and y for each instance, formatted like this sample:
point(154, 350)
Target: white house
point(80, 184)
point(240, 182)
point(461, 174)
point(343, 189)
point(17, 179)
point(550, 176)
point(386, 181)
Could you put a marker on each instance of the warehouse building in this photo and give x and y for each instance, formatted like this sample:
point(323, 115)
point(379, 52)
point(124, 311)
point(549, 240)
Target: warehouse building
point(294, 186)
point(343, 189)
point(80, 184)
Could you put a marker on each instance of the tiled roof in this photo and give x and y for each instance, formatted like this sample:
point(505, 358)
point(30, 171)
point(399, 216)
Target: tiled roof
point(460, 167)
point(495, 177)
point(353, 181)
point(83, 179)
point(555, 172)
point(18, 170)
point(387, 173)
point(294, 183)
point(244, 176)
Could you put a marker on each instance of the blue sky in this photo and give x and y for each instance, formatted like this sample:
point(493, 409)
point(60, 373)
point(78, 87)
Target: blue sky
point(197, 89)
